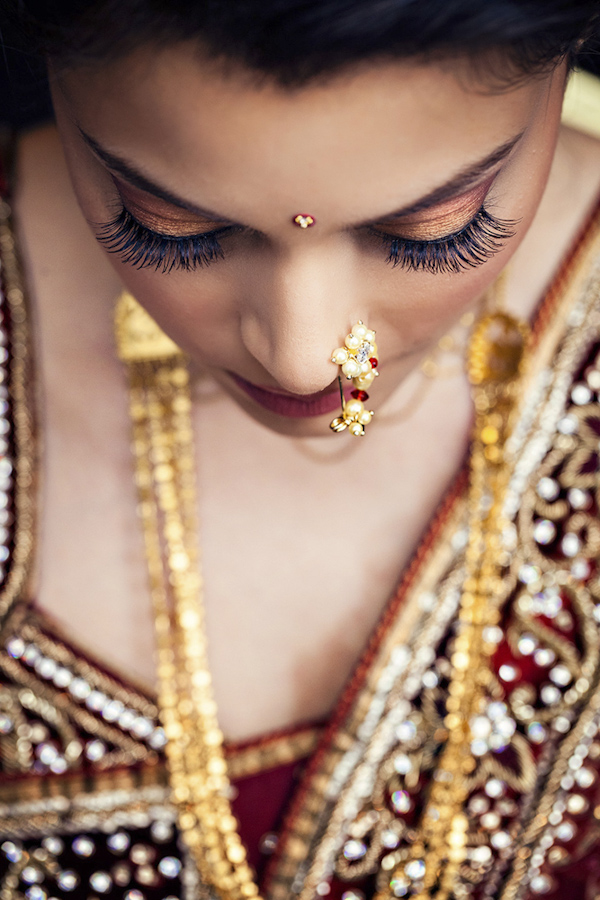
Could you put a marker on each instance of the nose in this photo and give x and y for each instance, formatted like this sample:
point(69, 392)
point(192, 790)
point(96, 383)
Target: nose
point(296, 311)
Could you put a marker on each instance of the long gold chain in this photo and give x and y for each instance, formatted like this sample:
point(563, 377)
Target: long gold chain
point(160, 405)
point(495, 362)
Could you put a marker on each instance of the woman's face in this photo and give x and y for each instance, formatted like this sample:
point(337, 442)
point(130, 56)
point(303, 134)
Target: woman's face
point(399, 164)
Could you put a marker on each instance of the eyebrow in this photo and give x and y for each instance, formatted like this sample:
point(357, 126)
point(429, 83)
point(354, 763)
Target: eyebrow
point(459, 183)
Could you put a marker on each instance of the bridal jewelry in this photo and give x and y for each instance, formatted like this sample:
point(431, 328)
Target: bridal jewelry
point(304, 220)
point(359, 364)
point(160, 408)
point(496, 356)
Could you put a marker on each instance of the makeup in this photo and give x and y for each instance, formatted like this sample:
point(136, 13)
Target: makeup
point(292, 406)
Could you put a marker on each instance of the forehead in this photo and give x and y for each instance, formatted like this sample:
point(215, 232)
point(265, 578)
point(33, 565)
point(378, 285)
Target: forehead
point(360, 143)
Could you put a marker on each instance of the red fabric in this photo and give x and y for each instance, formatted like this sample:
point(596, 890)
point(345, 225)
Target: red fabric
point(259, 806)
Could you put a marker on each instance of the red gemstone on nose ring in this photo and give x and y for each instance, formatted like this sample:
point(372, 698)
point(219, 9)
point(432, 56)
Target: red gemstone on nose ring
point(359, 395)
point(374, 362)
point(303, 220)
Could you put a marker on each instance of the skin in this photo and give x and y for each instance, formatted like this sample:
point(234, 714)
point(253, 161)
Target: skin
point(350, 151)
point(283, 298)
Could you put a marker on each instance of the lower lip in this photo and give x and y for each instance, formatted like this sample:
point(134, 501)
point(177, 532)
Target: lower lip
point(292, 407)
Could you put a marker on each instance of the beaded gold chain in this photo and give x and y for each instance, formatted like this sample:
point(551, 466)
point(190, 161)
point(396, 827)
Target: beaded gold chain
point(160, 406)
point(495, 362)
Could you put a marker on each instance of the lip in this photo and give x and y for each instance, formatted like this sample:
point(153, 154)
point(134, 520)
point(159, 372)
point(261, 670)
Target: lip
point(292, 406)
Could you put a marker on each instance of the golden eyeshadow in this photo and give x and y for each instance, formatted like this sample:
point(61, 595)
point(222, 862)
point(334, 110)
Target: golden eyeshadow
point(443, 220)
point(160, 216)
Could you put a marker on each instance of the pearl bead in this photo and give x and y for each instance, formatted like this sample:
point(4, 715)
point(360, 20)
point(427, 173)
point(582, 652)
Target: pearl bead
point(360, 330)
point(353, 408)
point(351, 368)
point(352, 342)
point(339, 356)
point(365, 367)
point(365, 381)
point(365, 417)
point(370, 336)
point(356, 429)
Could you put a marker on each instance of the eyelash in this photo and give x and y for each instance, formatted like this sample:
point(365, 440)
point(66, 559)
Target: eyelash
point(143, 248)
point(479, 240)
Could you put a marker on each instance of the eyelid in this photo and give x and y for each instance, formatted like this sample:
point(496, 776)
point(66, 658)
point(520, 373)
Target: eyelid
point(441, 221)
point(168, 221)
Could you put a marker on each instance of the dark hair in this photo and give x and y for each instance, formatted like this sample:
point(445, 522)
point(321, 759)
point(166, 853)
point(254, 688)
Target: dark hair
point(296, 41)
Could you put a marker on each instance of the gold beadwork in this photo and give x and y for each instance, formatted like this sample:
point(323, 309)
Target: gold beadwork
point(358, 362)
point(160, 407)
point(495, 362)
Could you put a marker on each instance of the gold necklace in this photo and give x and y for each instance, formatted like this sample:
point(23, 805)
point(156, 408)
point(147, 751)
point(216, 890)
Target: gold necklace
point(160, 408)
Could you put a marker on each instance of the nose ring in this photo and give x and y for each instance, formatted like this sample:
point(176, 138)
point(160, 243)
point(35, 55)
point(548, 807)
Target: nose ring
point(359, 364)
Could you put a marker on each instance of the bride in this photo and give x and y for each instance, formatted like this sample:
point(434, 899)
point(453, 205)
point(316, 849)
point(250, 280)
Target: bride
point(313, 202)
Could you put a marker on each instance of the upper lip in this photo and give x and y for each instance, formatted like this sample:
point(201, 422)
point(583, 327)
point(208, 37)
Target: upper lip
point(305, 398)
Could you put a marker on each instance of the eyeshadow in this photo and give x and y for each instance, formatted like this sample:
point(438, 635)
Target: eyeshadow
point(445, 219)
point(160, 216)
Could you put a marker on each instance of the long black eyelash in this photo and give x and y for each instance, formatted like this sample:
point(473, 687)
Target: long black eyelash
point(484, 236)
point(143, 248)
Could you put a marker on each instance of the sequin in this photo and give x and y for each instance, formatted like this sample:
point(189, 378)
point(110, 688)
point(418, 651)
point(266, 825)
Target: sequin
point(570, 544)
point(79, 689)
point(353, 895)
point(170, 866)
point(508, 673)
point(536, 732)
point(53, 845)
point(402, 764)
point(541, 884)
point(101, 882)
point(415, 869)
point(549, 694)
point(527, 644)
point(544, 657)
point(576, 804)
point(481, 855)
point(406, 731)
point(544, 531)
point(585, 777)
point(548, 489)
point(578, 499)
point(134, 895)
point(401, 801)
point(581, 394)
point(565, 831)
point(389, 839)
point(580, 569)
point(119, 842)
point(495, 788)
point(560, 675)
point(6, 724)
point(83, 846)
point(568, 425)
point(12, 852)
point(95, 750)
point(16, 648)
point(36, 893)
point(500, 840)
point(399, 887)
point(67, 880)
point(31, 874)
point(161, 832)
point(142, 854)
